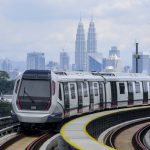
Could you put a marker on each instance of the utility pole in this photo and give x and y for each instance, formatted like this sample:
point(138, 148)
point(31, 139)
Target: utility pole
point(137, 57)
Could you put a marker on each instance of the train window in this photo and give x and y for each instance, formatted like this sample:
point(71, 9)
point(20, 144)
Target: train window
point(66, 92)
point(91, 92)
point(96, 89)
point(85, 89)
point(72, 88)
point(137, 87)
point(101, 90)
point(122, 88)
point(60, 92)
point(17, 85)
point(130, 87)
point(145, 88)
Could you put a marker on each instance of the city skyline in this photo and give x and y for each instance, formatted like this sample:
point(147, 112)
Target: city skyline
point(49, 26)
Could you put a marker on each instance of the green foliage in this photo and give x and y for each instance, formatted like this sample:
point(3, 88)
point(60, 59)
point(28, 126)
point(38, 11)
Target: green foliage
point(5, 108)
point(4, 75)
point(6, 87)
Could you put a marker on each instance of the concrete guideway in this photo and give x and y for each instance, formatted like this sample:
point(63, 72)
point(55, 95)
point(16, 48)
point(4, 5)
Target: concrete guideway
point(76, 135)
point(121, 135)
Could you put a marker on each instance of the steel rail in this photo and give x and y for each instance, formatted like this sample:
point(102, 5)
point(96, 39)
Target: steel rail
point(111, 136)
point(36, 144)
point(138, 138)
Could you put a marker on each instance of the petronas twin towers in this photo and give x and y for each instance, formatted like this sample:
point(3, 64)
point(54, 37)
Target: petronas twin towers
point(80, 45)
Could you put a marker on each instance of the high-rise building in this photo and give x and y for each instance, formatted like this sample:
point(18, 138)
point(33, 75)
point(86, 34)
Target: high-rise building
point(80, 55)
point(94, 61)
point(52, 66)
point(127, 69)
point(91, 40)
point(6, 65)
point(36, 60)
point(113, 62)
point(114, 51)
point(143, 63)
point(64, 61)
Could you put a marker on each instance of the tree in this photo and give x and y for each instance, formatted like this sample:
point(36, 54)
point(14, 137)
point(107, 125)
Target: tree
point(6, 87)
point(4, 75)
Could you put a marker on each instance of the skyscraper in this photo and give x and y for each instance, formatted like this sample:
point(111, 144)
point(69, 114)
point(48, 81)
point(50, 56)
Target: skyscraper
point(36, 60)
point(91, 40)
point(94, 59)
point(143, 63)
point(80, 62)
point(6, 65)
point(94, 62)
point(64, 61)
point(113, 62)
point(114, 51)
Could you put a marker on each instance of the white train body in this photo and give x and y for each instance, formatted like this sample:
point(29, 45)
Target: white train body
point(45, 97)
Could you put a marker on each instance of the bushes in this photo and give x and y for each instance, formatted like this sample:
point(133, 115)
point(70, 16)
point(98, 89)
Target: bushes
point(5, 108)
point(6, 87)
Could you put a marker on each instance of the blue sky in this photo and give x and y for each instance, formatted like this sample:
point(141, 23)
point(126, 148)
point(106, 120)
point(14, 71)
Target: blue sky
point(50, 25)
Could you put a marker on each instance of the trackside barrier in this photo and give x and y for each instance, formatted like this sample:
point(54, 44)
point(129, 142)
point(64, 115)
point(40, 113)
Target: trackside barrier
point(96, 125)
point(8, 130)
point(6, 121)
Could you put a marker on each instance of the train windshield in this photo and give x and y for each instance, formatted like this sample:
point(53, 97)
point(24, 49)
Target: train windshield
point(34, 95)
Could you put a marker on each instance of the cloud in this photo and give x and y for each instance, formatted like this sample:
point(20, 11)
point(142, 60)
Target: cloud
point(50, 25)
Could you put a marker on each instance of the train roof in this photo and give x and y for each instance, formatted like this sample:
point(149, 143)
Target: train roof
point(36, 74)
point(75, 76)
point(85, 76)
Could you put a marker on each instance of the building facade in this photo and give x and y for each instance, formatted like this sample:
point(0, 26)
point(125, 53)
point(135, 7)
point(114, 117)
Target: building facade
point(52, 66)
point(143, 62)
point(94, 61)
point(114, 51)
point(80, 54)
point(36, 60)
point(6, 65)
point(113, 62)
point(64, 61)
point(91, 40)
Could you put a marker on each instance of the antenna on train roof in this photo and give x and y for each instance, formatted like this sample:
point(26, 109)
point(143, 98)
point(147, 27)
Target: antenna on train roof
point(60, 72)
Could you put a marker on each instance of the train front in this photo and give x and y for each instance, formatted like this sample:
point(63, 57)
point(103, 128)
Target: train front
point(32, 101)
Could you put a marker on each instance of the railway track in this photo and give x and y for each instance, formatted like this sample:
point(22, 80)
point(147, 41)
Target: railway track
point(138, 138)
point(121, 137)
point(6, 122)
point(36, 144)
point(21, 141)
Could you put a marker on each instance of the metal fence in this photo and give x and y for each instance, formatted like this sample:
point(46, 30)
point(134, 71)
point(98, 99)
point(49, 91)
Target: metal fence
point(96, 127)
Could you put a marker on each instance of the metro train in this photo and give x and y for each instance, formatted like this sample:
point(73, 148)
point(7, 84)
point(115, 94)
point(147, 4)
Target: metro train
point(44, 96)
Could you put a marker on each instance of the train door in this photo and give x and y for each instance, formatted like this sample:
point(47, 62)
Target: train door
point(114, 97)
point(73, 98)
point(96, 96)
point(86, 100)
point(148, 92)
point(101, 95)
point(66, 100)
point(122, 94)
point(91, 92)
point(61, 94)
point(145, 92)
point(130, 93)
point(80, 97)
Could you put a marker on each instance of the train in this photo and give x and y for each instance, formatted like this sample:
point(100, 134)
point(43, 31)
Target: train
point(44, 96)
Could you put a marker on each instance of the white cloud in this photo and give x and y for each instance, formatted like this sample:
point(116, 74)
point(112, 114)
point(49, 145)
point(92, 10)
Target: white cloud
point(50, 25)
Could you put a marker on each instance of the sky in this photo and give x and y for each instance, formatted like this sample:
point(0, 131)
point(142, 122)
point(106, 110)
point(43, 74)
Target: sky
point(50, 25)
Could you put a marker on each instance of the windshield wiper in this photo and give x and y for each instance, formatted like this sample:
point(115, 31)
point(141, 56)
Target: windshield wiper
point(28, 95)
